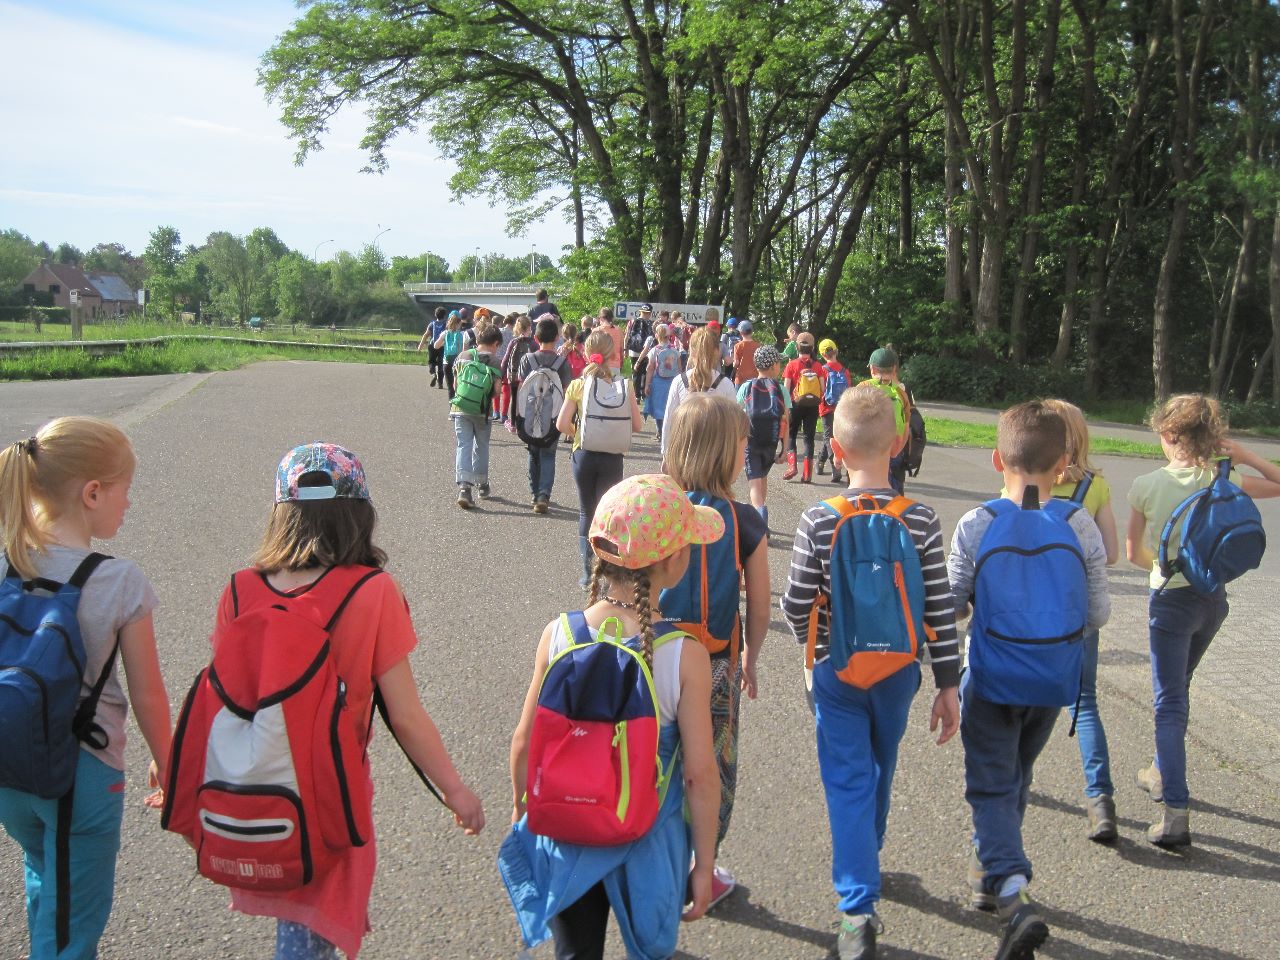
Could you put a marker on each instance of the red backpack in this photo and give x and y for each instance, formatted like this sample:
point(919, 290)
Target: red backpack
point(266, 773)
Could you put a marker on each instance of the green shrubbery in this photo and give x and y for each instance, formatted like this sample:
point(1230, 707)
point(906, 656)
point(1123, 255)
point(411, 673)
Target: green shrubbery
point(989, 384)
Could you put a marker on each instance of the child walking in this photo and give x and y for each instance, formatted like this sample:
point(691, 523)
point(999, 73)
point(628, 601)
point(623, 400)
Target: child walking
point(566, 890)
point(806, 380)
point(597, 462)
point(1025, 650)
point(1183, 622)
point(768, 408)
point(705, 440)
point(473, 400)
point(667, 359)
point(435, 355)
point(883, 367)
point(701, 375)
point(836, 383)
point(60, 490)
point(542, 454)
point(861, 720)
point(451, 343)
point(321, 531)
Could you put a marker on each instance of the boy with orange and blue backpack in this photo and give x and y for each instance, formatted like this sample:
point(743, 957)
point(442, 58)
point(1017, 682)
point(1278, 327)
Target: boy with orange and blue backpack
point(865, 625)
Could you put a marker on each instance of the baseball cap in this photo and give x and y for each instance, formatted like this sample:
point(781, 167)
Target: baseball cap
point(647, 518)
point(826, 345)
point(804, 340)
point(766, 356)
point(744, 326)
point(883, 358)
point(646, 308)
point(320, 471)
point(732, 321)
point(713, 325)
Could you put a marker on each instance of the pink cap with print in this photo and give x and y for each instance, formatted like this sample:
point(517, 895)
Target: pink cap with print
point(647, 518)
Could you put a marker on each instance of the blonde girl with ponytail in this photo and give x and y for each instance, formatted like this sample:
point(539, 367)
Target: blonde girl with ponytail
point(702, 375)
point(60, 490)
point(640, 538)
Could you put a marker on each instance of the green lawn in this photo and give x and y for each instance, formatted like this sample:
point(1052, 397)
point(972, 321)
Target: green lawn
point(135, 329)
point(955, 433)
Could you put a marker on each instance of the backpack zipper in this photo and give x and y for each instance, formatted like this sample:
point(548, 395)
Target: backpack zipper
point(340, 701)
point(900, 582)
point(624, 790)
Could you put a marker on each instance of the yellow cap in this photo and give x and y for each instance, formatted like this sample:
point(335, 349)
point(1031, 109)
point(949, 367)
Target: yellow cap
point(826, 346)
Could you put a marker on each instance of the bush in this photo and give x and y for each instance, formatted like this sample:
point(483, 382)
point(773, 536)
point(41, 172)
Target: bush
point(990, 384)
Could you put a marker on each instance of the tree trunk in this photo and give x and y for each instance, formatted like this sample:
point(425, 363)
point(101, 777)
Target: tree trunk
point(1241, 282)
point(954, 289)
point(1260, 371)
point(1162, 318)
point(906, 215)
point(1273, 277)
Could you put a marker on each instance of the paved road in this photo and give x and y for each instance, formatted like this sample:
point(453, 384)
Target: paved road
point(482, 584)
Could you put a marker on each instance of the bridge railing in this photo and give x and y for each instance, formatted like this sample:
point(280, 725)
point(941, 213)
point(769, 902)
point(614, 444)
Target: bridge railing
point(493, 286)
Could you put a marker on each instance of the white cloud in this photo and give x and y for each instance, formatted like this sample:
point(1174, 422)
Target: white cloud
point(135, 113)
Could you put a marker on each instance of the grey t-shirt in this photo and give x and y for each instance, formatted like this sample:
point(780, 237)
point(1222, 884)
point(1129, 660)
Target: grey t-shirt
point(116, 595)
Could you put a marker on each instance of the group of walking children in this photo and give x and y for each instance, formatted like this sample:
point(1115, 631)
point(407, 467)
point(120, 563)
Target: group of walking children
point(623, 763)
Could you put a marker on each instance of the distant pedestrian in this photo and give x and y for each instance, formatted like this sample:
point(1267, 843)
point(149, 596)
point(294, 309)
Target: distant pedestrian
point(768, 406)
point(600, 414)
point(744, 366)
point(790, 350)
point(836, 383)
point(451, 343)
point(605, 323)
point(883, 366)
point(543, 305)
point(435, 355)
point(473, 400)
point(571, 349)
point(666, 362)
point(805, 380)
point(543, 379)
point(639, 330)
point(701, 375)
point(729, 341)
point(520, 346)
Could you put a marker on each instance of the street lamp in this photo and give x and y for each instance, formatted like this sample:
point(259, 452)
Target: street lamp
point(374, 241)
point(475, 268)
point(428, 279)
point(317, 249)
point(533, 253)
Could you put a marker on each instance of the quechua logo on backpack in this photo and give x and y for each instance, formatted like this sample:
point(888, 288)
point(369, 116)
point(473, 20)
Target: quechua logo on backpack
point(266, 773)
point(876, 604)
point(594, 774)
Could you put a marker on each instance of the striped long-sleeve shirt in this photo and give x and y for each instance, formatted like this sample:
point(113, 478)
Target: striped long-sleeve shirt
point(811, 574)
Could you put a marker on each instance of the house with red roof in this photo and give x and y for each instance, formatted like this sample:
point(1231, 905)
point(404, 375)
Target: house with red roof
point(100, 294)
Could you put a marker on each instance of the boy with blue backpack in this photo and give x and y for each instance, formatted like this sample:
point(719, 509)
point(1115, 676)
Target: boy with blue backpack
point(768, 406)
point(867, 592)
point(1194, 526)
point(1034, 570)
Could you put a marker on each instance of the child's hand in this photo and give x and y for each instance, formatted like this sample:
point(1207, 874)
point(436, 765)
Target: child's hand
point(154, 800)
point(468, 813)
point(946, 710)
point(1238, 452)
point(749, 679)
point(700, 889)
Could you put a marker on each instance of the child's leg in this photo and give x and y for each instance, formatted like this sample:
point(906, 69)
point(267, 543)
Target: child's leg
point(997, 778)
point(726, 693)
point(535, 470)
point(464, 469)
point(825, 453)
point(891, 703)
point(580, 928)
point(755, 490)
point(847, 730)
point(448, 377)
point(810, 432)
point(1182, 627)
point(547, 470)
point(296, 942)
point(480, 459)
point(1094, 755)
point(96, 816)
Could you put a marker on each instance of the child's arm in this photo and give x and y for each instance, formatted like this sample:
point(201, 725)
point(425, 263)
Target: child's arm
point(147, 694)
point(440, 341)
point(1095, 563)
point(421, 741)
point(564, 421)
point(960, 567)
point(804, 581)
point(426, 335)
point(1106, 521)
point(637, 421)
point(1260, 488)
point(944, 648)
point(756, 574)
point(520, 738)
point(1135, 547)
point(701, 777)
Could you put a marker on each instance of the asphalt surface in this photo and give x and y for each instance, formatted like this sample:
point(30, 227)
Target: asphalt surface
point(482, 584)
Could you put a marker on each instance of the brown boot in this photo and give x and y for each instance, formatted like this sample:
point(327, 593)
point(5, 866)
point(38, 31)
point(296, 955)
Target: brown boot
point(1172, 829)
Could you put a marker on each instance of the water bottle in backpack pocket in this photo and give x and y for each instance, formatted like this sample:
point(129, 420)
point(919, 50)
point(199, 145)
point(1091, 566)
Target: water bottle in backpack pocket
point(1030, 605)
point(1220, 538)
point(877, 592)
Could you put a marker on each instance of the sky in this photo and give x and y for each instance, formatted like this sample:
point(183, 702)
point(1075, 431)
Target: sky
point(122, 115)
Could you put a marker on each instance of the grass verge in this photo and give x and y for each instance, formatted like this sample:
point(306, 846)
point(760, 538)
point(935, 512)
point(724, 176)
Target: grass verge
point(955, 433)
point(176, 356)
point(135, 329)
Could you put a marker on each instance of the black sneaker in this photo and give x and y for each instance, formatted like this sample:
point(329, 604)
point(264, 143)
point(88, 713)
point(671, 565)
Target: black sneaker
point(483, 490)
point(464, 496)
point(858, 936)
point(1024, 928)
point(541, 504)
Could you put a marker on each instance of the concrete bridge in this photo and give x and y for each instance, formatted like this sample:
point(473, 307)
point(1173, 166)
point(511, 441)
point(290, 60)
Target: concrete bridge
point(497, 296)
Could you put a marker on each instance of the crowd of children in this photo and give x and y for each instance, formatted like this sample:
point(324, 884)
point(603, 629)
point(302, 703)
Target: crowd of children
point(677, 573)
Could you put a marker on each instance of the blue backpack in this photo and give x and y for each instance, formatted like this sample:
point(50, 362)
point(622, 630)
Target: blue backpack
point(1222, 535)
point(1030, 605)
point(877, 592)
point(837, 383)
point(705, 603)
point(764, 409)
point(42, 716)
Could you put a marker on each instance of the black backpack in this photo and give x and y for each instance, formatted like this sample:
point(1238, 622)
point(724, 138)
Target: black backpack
point(641, 331)
point(913, 453)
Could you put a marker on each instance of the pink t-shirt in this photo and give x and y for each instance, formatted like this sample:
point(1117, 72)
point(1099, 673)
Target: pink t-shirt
point(615, 332)
point(373, 634)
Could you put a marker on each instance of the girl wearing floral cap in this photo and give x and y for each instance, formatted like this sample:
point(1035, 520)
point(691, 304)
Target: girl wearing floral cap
point(640, 536)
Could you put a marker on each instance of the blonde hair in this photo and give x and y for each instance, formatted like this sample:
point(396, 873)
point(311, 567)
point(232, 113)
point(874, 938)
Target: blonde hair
point(601, 342)
point(704, 360)
point(524, 326)
point(865, 423)
point(453, 323)
point(1195, 424)
point(704, 443)
point(661, 333)
point(42, 477)
point(1078, 463)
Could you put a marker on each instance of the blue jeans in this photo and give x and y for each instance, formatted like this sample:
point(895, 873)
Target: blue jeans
point(95, 841)
point(296, 942)
point(1094, 755)
point(472, 462)
point(1182, 625)
point(858, 736)
point(542, 469)
point(1001, 744)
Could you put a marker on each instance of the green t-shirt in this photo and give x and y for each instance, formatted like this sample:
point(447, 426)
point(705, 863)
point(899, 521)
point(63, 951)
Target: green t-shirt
point(791, 351)
point(1156, 495)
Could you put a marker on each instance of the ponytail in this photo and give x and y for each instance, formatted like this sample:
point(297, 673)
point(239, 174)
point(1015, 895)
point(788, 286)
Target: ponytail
point(601, 344)
point(42, 476)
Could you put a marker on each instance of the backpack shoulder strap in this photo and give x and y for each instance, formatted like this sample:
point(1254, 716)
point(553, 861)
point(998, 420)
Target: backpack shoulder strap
point(1224, 469)
point(1000, 507)
point(1082, 488)
point(840, 506)
point(716, 382)
point(898, 506)
point(1162, 552)
point(87, 566)
point(684, 378)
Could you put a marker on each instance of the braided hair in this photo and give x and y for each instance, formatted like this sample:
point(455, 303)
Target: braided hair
point(605, 573)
